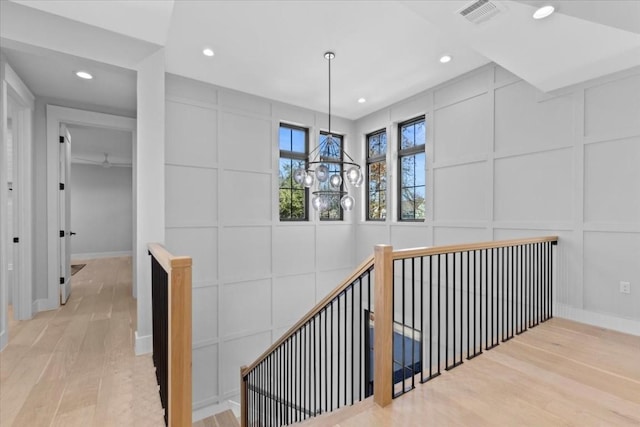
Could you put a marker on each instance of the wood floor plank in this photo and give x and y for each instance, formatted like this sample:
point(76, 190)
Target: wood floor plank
point(75, 366)
point(41, 404)
point(552, 375)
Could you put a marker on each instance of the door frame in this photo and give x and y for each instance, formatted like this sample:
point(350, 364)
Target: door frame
point(56, 116)
point(13, 87)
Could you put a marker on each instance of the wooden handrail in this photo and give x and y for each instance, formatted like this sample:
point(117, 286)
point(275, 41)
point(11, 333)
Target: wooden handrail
point(366, 264)
point(179, 391)
point(435, 250)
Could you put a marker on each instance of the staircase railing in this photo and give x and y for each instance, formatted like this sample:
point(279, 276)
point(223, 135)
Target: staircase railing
point(171, 311)
point(425, 310)
point(457, 300)
point(319, 365)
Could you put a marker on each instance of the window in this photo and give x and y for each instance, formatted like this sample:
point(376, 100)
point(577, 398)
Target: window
point(334, 211)
point(294, 149)
point(411, 167)
point(377, 176)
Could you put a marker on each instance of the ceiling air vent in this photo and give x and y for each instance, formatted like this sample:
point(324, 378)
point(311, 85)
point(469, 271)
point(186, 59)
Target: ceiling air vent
point(479, 11)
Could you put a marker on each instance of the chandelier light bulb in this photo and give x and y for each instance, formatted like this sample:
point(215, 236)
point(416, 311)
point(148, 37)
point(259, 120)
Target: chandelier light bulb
point(347, 202)
point(316, 202)
point(322, 173)
point(308, 180)
point(298, 176)
point(352, 174)
point(359, 181)
point(335, 181)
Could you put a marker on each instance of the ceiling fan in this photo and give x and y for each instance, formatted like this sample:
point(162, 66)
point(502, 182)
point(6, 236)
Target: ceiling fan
point(106, 163)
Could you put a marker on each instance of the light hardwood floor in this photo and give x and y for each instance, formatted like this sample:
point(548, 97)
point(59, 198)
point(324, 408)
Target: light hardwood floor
point(75, 366)
point(560, 373)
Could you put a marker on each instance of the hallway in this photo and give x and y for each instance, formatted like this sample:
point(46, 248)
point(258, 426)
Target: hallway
point(75, 366)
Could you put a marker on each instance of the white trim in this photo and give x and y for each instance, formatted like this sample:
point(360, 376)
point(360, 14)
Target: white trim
point(25, 204)
point(97, 255)
point(235, 407)
point(21, 90)
point(13, 88)
point(42, 304)
point(144, 344)
point(607, 321)
point(3, 340)
point(55, 116)
point(205, 409)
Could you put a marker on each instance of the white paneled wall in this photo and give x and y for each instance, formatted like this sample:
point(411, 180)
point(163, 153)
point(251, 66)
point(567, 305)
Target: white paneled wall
point(253, 276)
point(506, 161)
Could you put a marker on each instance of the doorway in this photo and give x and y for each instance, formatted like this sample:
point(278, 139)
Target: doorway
point(16, 118)
point(59, 255)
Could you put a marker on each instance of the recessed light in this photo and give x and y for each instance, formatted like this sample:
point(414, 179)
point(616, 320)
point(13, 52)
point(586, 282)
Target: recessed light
point(208, 52)
point(84, 75)
point(445, 58)
point(362, 100)
point(543, 12)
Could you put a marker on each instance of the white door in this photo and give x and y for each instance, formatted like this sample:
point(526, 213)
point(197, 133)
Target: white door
point(65, 215)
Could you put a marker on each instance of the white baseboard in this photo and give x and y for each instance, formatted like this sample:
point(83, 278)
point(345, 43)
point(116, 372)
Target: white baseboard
point(96, 255)
point(44, 304)
point(607, 321)
point(144, 344)
point(4, 339)
point(235, 407)
point(208, 409)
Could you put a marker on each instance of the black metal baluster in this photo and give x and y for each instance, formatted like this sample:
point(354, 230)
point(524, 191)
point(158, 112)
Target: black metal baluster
point(345, 346)
point(461, 308)
point(353, 349)
point(529, 285)
point(431, 316)
point(439, 284)
point(539, 251)
point(503, 299)
point(551, 279)
point(520, 264)
point(493, 286)
point(401, 337)
point(360, 332)
point(496, 301)
point(453, 317)
point(333, 359)
point(446, 312)
point(421, 287)
point(510, 292)
point(338, 353)
point(304, 378)
point(468, 303)
point(486, 300)
point(413, 321)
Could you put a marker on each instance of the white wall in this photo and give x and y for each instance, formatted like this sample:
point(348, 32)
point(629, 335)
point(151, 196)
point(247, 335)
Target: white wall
point(253, 276)
point(101, 210)
point(507, 161)
point(148, 184)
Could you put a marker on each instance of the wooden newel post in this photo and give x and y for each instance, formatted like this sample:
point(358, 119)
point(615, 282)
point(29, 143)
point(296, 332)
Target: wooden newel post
point(180, 406)
point(244, 414)
point(383, 326)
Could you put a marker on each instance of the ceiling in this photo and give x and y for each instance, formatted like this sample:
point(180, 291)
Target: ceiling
point(89, 144)
point(385, 50)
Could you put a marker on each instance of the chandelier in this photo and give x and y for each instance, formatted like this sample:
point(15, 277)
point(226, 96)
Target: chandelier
point(325, 166)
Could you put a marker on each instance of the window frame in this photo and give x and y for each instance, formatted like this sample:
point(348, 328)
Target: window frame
point(294, 155)
point(375, 159)
point(336, 135)
point(407, 152)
